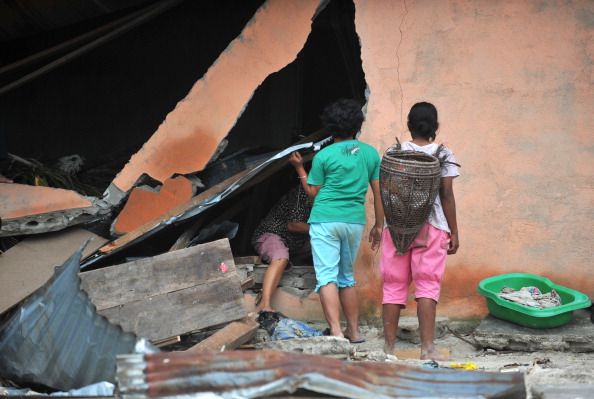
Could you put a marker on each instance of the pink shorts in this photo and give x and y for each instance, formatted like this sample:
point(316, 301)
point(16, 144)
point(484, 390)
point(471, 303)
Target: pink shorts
point(271, 247)
point(424, 262)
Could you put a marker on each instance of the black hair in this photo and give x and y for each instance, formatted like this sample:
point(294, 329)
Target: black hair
point(422, 120)
point(343, 118)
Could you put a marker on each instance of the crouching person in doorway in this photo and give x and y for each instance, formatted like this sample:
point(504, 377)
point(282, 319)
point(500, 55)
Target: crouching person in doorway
point(281, 239)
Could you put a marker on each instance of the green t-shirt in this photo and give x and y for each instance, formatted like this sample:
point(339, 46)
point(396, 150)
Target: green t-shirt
point(344, 171)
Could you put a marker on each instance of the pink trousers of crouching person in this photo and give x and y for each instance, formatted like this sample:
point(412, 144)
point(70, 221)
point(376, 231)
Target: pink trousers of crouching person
point(424, 262)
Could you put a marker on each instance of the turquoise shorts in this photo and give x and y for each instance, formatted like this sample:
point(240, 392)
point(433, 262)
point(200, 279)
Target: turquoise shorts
point(334, 246)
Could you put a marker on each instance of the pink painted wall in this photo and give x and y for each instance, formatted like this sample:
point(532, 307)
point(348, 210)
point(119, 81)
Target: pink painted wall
point(512, 81)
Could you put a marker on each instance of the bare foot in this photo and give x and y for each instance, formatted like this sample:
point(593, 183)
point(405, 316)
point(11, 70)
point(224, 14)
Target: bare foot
point(334, 333)
point(389, 350)
point(433, 355)
point(4, 179)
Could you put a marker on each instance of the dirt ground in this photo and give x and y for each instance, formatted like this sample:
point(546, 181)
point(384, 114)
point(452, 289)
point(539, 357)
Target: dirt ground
point(539, 368)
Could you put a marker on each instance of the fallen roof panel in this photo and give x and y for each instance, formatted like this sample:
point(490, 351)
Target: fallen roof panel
point(248, 374)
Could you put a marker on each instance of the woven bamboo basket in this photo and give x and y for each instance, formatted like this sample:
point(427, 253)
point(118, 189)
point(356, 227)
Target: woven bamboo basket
point(409, 184)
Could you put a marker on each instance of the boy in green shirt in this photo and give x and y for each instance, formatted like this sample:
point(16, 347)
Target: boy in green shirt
point(338, 183)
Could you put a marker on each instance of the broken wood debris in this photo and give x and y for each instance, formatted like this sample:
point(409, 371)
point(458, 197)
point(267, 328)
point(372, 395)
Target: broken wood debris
point(170, 294)
point(247, 283)
point(231, 336)
point(167, 341)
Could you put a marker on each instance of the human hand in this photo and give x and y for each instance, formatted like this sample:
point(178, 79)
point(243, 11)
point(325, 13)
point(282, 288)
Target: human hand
point(454, 244)
point(375, 237)
point(295, 159)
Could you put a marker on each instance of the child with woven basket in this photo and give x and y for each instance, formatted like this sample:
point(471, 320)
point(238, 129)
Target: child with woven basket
point(425, 258)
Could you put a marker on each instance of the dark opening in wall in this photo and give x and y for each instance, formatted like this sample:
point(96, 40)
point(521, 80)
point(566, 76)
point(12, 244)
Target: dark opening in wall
point(288, 103)
point(286, 107)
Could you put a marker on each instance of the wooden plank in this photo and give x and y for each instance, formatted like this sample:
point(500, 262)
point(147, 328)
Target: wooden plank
point(248, 260)
point(213, 302)
point(209, 193)
point(170, 294)
point(29, 264)
point(188, 234)
point(114, 285)
point(403, 354)
point(247, 283)
point(167, 341)
point(230, 337)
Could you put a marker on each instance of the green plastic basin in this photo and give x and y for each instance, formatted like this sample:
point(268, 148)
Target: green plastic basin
point(526, 315)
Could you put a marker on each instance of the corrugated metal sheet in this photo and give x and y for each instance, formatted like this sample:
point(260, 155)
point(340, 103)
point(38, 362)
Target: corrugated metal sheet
point(249, 374)
point(57, 340)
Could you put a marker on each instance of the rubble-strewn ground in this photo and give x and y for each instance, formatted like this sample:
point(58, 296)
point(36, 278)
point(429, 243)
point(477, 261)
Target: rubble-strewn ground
point(540, 368)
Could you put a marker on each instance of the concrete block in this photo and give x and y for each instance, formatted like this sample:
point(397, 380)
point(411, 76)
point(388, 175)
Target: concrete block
point(574, 391)
point(146, 203)
point(324, 346)
point(575, 336)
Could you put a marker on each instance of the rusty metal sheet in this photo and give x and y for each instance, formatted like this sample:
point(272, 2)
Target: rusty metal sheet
point(249, 374)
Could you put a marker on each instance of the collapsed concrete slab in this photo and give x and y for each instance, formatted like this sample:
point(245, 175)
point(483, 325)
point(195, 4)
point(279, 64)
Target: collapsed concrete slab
point(323, 346)
point(146, 203)
point(35, 209)
point(575, 336)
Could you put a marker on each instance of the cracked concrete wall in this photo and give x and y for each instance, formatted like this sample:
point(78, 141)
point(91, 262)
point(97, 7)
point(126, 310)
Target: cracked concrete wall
point(194, 129)
point(512, 81)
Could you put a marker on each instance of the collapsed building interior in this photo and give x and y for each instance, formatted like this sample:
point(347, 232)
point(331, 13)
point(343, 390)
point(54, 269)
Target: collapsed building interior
point(104, 104)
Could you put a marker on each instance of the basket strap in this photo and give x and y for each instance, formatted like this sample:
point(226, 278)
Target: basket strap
point(396, 146)
point(442, 157)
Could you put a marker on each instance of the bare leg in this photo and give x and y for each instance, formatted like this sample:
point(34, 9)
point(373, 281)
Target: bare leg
point(272, 277)
point(426, 310)
point(391, 315)
point(350, 308)
point(331, 307)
